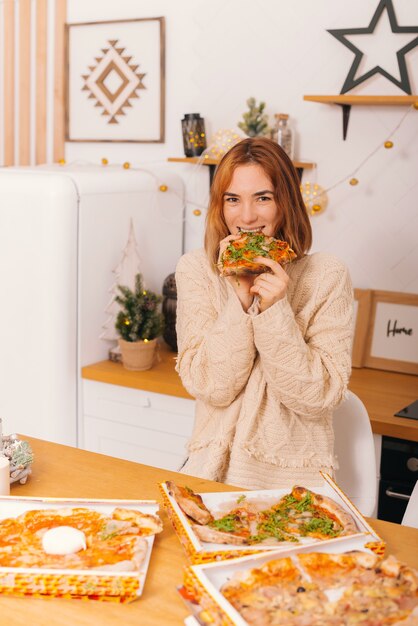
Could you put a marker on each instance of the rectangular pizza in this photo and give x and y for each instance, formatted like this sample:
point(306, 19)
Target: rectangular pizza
point(331, 586)
point(76, 548)
point(227, 525)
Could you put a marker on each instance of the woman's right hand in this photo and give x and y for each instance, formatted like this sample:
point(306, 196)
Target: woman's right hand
point(240, 284)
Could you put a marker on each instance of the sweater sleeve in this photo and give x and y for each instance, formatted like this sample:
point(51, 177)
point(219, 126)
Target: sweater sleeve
point(215, 347)
point(308, 368)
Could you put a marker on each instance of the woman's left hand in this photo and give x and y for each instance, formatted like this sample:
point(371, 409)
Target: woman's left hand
point(270, 288)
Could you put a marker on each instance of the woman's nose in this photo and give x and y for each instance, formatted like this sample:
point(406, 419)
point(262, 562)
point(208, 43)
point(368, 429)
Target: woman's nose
point(248, 212)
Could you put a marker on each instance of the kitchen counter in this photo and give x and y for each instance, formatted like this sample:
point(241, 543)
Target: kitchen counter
point(383, 393)
point(62, 471)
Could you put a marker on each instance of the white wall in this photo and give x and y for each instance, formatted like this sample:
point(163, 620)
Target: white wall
point(223, 51)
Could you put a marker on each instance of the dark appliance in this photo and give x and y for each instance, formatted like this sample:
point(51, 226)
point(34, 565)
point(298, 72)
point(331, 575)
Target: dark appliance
point(398, 475)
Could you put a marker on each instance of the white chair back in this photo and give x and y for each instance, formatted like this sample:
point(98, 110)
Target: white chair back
point(410, 517)
point(356, 454)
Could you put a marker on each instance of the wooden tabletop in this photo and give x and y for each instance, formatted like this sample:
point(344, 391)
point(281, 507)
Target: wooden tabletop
point(61, 471)
point(383, 393)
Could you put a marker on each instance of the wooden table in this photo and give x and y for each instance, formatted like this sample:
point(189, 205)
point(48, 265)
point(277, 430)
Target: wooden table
point(62, 471)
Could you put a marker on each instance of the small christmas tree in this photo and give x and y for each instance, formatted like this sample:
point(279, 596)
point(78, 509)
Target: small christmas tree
point(255, 122)
point(125, 272)
point(139, 318)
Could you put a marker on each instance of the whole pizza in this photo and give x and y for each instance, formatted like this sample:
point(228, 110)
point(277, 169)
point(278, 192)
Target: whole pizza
point(77, 538)
point(300, 513)
point(317, 589)
point(238, 257)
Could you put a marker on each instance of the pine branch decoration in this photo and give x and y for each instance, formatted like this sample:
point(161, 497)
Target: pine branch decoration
point(255, 121)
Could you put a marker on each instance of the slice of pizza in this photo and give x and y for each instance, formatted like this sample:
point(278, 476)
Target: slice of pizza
point(238, 257)
point(333, 570)
point(276, 593)
point(308, 514)
point(145, 523)
point(387, 594)
point(235, 528)
point(190, 502)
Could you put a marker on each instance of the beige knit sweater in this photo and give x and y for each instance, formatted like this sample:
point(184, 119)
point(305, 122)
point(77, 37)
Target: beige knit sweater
point(265, 384)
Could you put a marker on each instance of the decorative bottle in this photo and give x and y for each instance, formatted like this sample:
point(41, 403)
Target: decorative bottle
point(283, 133)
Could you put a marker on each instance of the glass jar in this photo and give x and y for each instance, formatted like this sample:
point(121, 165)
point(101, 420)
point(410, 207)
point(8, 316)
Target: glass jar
point(283, 133)
point(194, 134)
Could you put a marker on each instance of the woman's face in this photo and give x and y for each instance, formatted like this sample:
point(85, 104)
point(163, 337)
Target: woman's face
point(249, 204)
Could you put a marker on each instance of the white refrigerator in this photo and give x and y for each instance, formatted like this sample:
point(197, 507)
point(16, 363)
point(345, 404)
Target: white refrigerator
point(62, 231)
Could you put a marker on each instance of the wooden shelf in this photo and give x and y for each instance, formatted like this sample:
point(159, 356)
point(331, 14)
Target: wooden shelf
point(212, 163)
point(365, 100)
point(298, 164)
point(346, 102)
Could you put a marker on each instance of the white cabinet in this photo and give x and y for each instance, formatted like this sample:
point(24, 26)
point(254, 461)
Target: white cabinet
point(136, 425)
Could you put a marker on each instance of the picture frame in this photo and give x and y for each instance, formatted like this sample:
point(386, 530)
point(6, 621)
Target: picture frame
point(362, 307)
point(115, 81)
point(392, 342)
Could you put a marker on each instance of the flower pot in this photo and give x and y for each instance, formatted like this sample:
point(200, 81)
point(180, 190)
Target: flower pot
point(138, 355)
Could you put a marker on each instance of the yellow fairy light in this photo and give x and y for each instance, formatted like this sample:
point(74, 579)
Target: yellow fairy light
point(197, 212)
point(104, 161)
point(353, 182)
point(126, 165)
point(127, 322)
point(144, 293)
point(163, 188)
point(145, 340)
point(388, 144)
point(61, 162)
point(314, 197)
point(415, 105)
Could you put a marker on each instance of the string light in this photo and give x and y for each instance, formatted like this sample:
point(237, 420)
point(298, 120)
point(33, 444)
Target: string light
point(126, 165)
point(387, 144)
point(163, 188)
point(105, 161)
point(61, 162)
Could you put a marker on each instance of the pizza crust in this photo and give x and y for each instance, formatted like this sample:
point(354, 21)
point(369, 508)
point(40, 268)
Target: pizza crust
point(211, 535)
point(190, 503)
point(341, 515)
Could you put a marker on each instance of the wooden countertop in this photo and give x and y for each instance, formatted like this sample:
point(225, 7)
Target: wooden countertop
point(383, 393)
point(61, 471)
point(161, 378)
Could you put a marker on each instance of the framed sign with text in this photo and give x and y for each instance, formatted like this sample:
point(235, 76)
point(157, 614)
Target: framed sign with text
point(362, 305)
point(392, 342)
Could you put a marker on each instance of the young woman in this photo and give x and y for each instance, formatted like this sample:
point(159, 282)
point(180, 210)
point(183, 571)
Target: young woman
point(267, 357)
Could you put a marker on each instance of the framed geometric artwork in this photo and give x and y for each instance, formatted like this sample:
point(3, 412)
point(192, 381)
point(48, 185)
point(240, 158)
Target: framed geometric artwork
point(115, 87)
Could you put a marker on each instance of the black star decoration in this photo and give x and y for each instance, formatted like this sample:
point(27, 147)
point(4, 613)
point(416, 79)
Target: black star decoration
point(351, 81)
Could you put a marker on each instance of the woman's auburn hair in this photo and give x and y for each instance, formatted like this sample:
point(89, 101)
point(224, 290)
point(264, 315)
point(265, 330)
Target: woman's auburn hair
point(295, 227)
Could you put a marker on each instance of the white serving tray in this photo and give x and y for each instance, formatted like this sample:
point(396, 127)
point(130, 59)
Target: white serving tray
point(212, 576)
point(219, 502)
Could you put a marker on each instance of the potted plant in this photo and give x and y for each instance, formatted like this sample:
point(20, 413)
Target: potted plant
point(255, 121)
point(139, 323)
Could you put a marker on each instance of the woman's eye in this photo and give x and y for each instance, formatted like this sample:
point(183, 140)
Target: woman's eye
point(231, 200)
point(264, 198)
